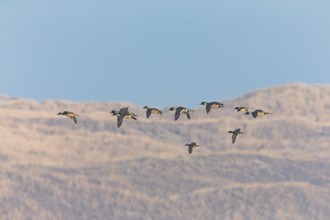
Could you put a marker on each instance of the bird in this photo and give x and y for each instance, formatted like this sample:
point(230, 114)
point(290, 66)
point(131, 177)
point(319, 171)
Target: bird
point(242, 109)
point(152, 111)
point(259, 112)
point(235, 133)
point(123, 113)
point(71, 115)
point(210, 105)
point(191, 146)
point(179, 110)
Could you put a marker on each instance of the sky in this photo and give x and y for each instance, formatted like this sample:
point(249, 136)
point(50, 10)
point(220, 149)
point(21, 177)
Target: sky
point(160, 53)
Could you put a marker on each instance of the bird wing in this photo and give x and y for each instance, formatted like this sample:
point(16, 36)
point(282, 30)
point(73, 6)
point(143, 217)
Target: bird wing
point(208, 107)
point(74, 119)
point(239, 131)
point(148, 113)
point(188, 115)
point(120, 120)
point(123, 110)
point(233, 139)
point(177, 114)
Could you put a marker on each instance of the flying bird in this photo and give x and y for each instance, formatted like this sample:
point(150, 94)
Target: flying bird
point(259, 112)
point(123, 113)
point(152, 111)
point(180, 110)
point(210, 105)
point(242, 109)
point(191, 146)
point(71, 115)
point(235, 133)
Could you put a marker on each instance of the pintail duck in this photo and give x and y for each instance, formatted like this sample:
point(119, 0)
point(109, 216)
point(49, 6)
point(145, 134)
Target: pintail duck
point(235, 133)
point(180, 110)
point(242, 109)
point(259, 112)
point(71, 115)
point(152, 111)
point(191, 146)
point(210, 105)
point(123, 113)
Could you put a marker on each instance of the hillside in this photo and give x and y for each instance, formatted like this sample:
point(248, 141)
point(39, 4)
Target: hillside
point(278, 169)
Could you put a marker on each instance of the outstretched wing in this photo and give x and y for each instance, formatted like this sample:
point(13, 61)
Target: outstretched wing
point(233, 139)
point(119, 120)
point(74, 119)
point(177, 114)
point(123, 111)
point(148, 113)
point(208, 108)
point(188, 115)
point(190, 149)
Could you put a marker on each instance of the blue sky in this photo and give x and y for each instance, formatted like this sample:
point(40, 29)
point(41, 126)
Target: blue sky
point(159, 53)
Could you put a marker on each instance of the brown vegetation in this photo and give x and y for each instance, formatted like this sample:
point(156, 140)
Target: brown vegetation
point(278, 169)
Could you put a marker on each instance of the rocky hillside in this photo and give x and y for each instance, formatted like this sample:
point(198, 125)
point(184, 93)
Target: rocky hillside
point(278, 169)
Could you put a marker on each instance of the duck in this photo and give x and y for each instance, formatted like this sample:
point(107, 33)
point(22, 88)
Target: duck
point(191, 146)
point(242, 109)
point(179, 110)
point(235, 133)
point(259, 112)
point(71, 115)
point(123, 113)
point(152, 111)
point(210, 105)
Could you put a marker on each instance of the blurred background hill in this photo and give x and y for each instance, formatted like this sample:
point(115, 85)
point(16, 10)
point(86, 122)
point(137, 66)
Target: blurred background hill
point(278, 169)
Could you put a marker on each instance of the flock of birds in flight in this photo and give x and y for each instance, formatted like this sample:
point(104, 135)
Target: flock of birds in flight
point(124, 113)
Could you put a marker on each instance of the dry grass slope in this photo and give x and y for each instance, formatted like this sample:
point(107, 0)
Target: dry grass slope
point(278, 169)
